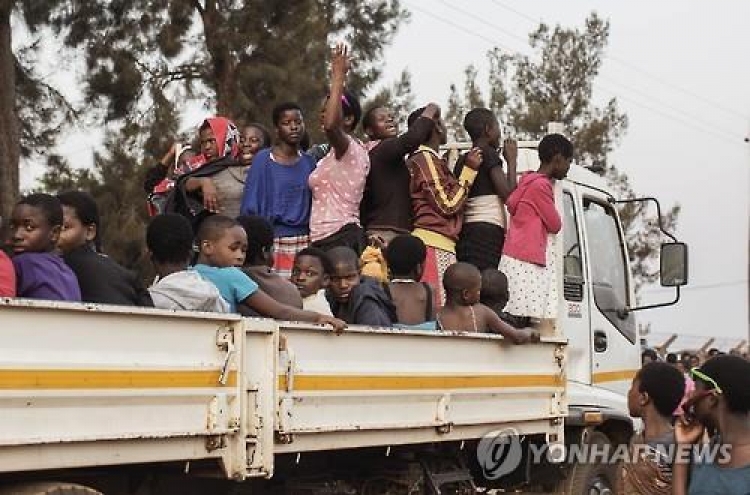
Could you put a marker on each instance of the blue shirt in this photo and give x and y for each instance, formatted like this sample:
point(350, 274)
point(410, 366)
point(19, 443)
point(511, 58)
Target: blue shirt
point(45, 276)
point(279, 193)
point(234, 286)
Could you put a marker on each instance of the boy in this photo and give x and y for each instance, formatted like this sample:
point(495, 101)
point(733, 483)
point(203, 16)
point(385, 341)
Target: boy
point(259, 262)
point(100, 278)
point(310, 274)
point(655, 393)
point(438, 199)
point(355, 299)
point(464, 312)
point(413, 299)
point(483, 230)
point(40, 272)
point(386, 205)
point(169, 239)
point(222, 245)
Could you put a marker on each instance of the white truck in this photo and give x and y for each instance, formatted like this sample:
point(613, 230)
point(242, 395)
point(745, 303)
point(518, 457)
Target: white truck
point(122, 401)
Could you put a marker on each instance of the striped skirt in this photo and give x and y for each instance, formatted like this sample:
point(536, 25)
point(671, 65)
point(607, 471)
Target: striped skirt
point(284, 251)
point(435, 264)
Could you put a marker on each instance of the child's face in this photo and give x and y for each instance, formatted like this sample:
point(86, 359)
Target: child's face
point(382, 124)
point(291, 127)
point(344, 278)
point(228, 250)
point(74, 233)
point(209, 146)
point(30, 230)
point(308, 275)
point(251, 140)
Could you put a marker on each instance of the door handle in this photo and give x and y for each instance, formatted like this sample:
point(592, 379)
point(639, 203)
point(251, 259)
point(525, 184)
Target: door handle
point(600, 341)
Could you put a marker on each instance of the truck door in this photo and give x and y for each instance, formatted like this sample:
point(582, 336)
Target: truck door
point(613, 330)
point(574, 312)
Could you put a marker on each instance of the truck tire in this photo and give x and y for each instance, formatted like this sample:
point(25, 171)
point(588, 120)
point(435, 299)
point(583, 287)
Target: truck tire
point(49, 488)
point(591, 479)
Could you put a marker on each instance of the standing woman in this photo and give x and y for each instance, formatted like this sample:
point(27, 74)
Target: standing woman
point(528, 254)
point(276, 187)
point(338, 183)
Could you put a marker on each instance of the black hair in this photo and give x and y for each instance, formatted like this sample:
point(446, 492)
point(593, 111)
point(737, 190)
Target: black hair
point(649, 353)
point(281, 108)
point(49, 205)
point(404, 253)
point(671, 358)
point(494, 287)
point(263, 132)
point(459, 275)
point(342, 254)
point(259, 237)
point(730, 373)
point(169, 237)
point(414, 116)
point(664, 384)
point(368, 119)
point(84, 205)
point(213, 227)
point(314, 252)
point(477, 120)
point(351, 107)
point(554, 144)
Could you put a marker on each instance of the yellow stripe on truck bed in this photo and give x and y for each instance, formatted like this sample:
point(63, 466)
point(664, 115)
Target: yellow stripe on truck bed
point(417, 382)
point(111, 379)
point(613, 376)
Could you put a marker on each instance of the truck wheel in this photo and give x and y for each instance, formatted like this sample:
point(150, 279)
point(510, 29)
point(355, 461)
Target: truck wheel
point(591, 479)
point(49, 488)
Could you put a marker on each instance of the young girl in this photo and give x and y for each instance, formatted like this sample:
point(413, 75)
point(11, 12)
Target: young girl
point(253, 138)
point(100, 278)
point(528, 255)
point(35, 229)
point(276, 187)
point(339, 181)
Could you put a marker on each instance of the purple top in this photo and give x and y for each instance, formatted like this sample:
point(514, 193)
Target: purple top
point(45, 276)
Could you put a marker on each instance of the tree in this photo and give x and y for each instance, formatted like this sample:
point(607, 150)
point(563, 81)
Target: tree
point(32, 112)
point(238, 56)
point(556, 85)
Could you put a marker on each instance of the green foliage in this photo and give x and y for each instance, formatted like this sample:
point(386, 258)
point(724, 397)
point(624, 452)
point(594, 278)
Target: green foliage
point(556, 85)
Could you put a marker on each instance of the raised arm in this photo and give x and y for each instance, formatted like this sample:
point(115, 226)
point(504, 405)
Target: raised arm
point(333, 116)
point(265, 305)
point(447, 194)
point(504, 183)
point(395, 149)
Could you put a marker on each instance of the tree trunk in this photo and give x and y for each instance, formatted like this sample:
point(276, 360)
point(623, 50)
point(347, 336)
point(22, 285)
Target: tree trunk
point(223, 68)
point(9, 129)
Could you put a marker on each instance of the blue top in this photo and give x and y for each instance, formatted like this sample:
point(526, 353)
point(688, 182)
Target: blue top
point(710, 479)
point(234, 286)
point(45, 276)
point(279, 193)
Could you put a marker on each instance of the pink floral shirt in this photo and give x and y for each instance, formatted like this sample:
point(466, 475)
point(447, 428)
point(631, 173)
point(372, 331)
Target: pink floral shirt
point(337, 187)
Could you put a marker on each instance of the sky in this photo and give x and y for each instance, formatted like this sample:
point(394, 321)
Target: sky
point(680, 70)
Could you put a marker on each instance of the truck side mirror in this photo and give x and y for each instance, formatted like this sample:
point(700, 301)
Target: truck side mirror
point(673, 261)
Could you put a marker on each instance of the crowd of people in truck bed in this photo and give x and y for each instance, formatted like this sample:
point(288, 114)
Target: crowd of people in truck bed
point(382, 232)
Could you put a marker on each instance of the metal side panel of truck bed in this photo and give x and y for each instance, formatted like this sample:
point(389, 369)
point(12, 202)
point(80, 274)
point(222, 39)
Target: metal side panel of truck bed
point(87, 385)
point(371, 387)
